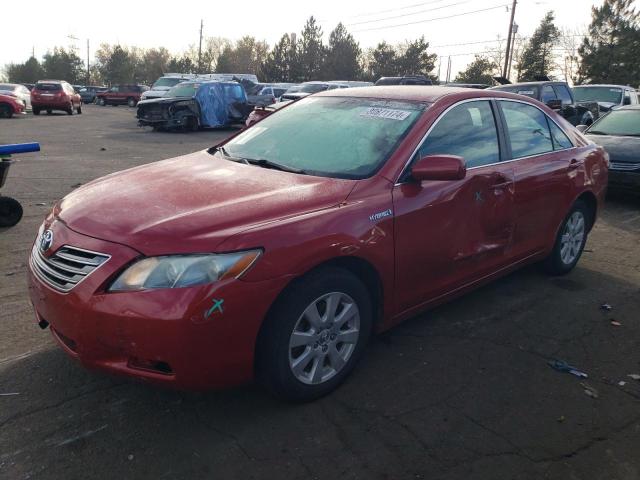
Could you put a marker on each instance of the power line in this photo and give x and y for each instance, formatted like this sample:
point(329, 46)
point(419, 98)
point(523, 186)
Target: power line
point(494, 41)
point(431, 19)
point(408, 14)
point(396, 9)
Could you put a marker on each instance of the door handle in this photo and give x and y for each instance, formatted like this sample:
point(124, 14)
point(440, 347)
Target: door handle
point(573, 164)
point(501, 181)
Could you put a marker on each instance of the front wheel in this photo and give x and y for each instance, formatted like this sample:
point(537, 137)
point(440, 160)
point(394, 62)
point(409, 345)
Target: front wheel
point(10, 211)
point(131, 102)
point(6, 111)
point(570, 240)
point(315, 335)
point(102, 102)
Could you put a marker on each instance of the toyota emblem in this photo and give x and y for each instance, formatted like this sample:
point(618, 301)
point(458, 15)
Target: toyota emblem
point(46, 240)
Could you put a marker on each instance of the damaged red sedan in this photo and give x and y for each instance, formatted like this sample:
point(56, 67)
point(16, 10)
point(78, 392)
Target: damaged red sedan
point(276, 254)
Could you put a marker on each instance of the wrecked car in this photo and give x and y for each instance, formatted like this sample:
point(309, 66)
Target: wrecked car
point(192, 105)
point(557, 96)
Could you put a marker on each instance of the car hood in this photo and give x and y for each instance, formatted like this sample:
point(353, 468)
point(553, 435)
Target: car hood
point(620, 149)
point(163, 100)
point(192, 203)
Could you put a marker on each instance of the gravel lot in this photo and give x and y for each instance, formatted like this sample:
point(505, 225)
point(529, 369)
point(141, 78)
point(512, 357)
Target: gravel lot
point(462, 392)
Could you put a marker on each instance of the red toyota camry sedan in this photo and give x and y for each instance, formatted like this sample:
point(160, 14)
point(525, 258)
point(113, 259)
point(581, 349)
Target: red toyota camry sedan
point(276, 254)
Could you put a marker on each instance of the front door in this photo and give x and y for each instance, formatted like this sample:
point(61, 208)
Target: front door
point(450, 233)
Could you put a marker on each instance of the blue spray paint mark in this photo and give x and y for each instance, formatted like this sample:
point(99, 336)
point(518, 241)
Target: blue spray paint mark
point(217, 306)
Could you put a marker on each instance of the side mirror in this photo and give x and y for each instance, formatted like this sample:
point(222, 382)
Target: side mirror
point(582, 128)
point(555, 104)
point(439, 167)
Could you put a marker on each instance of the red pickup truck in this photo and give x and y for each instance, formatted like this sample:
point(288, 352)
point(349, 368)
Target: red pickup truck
point(121, 95)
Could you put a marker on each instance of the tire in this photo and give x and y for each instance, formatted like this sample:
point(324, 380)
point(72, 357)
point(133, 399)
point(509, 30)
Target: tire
point(79, 109)
point(49, 111)
point(10, 211)
point(70, 110)
point(102, 102)
point(570, 241)
point(36, 111)
point(6, 111)
point(131, 102)
point(321, 362)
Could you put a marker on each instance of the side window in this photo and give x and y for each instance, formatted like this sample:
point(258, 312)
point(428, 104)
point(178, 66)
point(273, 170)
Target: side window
point(547, 94)
point(563, 94)
point(560, 139)
point(528, 129)
point(115, 89)
point(467, 130)
point(627, 98)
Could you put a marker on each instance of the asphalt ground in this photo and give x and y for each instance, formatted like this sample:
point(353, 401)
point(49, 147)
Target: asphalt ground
point(461, 392)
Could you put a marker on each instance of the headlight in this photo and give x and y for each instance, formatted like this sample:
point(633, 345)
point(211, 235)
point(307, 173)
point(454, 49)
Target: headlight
point(177, 271)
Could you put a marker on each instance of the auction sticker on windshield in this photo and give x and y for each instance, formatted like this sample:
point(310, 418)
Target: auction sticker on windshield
point(389, 113)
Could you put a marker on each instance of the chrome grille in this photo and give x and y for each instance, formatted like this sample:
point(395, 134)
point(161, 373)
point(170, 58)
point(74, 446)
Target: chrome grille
point(67, 267)
point(624, 167)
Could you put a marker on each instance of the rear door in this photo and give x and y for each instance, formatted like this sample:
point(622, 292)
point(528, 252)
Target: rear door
point(544, 166)
point(449, 233)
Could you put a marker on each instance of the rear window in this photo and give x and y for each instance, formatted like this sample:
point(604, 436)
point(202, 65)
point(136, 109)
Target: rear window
point(526, 90)
point(49, 87)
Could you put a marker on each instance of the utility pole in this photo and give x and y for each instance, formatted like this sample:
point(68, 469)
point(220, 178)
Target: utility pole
point(88, 71)
point(506, 60)
point(448, 70)
point(200, 49)
point(513, 43)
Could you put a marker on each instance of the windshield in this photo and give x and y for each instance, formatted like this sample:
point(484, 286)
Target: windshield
point(7, 86)
point(598, 94)
point(183, 90)
point(313, 87)
point(167, 82)
point(527, 90)
point(333, 136)
point(618, 122)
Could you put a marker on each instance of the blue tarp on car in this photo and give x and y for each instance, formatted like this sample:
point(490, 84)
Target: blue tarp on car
point(217, 102)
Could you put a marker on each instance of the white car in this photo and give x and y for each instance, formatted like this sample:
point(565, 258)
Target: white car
point(18, 91)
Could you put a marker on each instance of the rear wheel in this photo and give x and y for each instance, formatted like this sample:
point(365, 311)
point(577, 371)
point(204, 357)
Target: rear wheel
point(131, 102)
point(570, 240)
point(315, 335)
point(36, 111)
point(70, 109)
point(79, 109)
point(10, 211)
point(49, 111)
point(6, 111)
point(101, 102)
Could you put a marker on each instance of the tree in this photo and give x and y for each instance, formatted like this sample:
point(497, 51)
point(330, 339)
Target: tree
point(246, 56)
point(282, 63)
point(343, 56)
point(154, 64)
point(609, 51)
point(537, 58)
point(312, 51)
point(28, 72)
point(416, 59)
point(181, 64)
point(63, 65)
point(116, 64)
point(383, 61)
point(480, 70)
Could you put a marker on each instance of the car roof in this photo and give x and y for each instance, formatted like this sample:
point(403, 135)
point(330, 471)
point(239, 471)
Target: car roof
point(605, 85)
point(421, 93)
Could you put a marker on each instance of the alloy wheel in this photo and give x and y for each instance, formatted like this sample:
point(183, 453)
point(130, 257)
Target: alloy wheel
point(572, 238)
point(324, 338)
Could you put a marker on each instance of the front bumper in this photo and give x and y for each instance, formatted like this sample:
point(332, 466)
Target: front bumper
point(158, 336)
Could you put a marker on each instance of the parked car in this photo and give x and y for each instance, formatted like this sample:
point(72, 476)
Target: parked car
point(260, 112)
point(121, 95)
point(479, 86)
point(607, 96)
point(19, 91)
point(161, 86)
point(192, 105)
point(88, 93)
point(557, 96)
point(619, 133)
point(52, 95)
point(10, 105)
point(307, 88)
point(276, 254)
point(405, 80)
point(268, 93)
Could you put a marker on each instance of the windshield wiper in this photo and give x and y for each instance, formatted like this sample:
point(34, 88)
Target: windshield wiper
point(261, 162)
point(224, 152)
point(595, 132)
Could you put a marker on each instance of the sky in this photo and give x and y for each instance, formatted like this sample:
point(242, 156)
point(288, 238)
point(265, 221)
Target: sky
point(176, 26)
